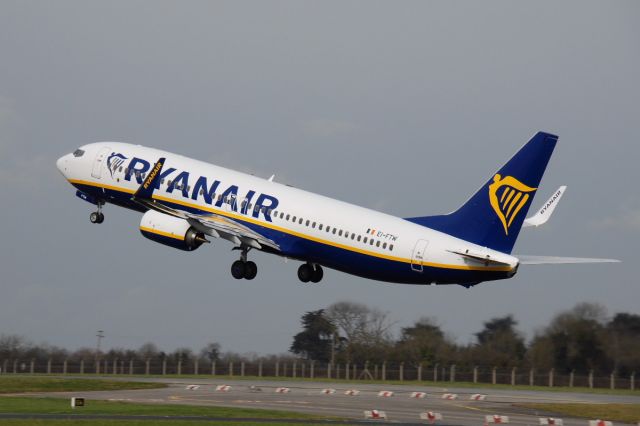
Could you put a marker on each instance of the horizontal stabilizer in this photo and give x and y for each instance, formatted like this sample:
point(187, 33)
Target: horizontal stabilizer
point(481, 257)
point(551, 260)
point(544, 213)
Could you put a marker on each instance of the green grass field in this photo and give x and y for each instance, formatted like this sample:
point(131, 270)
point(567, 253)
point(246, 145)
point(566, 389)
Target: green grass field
point(11, 404)
point(37, 405)
point(627, 413)
point(98, 422)
point(19, 384)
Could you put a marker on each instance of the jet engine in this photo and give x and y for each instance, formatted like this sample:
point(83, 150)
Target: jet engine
point(170, 231)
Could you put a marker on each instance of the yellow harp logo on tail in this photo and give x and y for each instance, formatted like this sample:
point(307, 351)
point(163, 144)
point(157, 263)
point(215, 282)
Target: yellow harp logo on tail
point(507, 197)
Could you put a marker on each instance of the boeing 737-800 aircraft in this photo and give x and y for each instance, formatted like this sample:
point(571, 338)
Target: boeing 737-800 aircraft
point(184, 201)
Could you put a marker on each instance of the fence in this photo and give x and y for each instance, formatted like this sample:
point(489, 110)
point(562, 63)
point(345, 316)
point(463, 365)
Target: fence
point(308, 369)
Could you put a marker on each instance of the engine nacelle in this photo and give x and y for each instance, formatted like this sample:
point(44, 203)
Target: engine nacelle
point(170, 231)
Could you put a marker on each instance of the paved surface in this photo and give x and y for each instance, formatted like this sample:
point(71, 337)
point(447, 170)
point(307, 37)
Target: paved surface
point(307, 397)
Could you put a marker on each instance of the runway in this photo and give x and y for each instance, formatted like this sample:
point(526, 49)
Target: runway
point(402, 407)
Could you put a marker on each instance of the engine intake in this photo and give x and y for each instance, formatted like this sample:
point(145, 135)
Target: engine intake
point(170, 231)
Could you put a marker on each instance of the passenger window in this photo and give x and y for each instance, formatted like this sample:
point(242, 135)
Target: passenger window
point(300, 221)
point(365, 239)
point(371, 242)
point(288, 217)
point(340, 233)
point(313, 225)
point(307, 223)
point(384, 245)
point(201, 191)
point(334, 230)
point(281, 215)
point(359, 238)
point(189, 188)
point(377, 243)
point(320, 227)
point(353, 236)
point(391, 247)
point(219, 197)
point(121, 170)
point(293, 219)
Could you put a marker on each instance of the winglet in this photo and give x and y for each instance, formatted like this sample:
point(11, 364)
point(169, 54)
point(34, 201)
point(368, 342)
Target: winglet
point(149, 185)
point(544, 213)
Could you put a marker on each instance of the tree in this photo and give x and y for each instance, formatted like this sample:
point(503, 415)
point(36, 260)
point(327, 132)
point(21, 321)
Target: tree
point(315, 341)
point(365, 331)
point(576, 339)
point(623, 341)
point(148, 351)
point(424, 342)
point(211, 352)
point(499, 343)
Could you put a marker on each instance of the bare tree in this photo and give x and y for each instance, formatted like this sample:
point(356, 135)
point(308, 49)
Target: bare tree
point(365, 331)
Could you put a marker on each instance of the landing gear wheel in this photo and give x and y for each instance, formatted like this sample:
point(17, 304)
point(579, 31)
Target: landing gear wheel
point(318, 273)
point(305, 273)
point(96, 217)
point(250, 270)
point(238, 269)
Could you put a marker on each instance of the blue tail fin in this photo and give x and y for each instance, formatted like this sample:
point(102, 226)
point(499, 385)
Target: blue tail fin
point(493, 216)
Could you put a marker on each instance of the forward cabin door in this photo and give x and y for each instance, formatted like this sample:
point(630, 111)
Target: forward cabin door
point(419, 254)
point(96, 172)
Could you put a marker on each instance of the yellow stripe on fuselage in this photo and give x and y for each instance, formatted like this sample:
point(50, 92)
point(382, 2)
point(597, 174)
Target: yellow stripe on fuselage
point(240, 217)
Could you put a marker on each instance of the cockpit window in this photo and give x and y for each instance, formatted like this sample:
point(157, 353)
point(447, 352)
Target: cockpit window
point(78, 153)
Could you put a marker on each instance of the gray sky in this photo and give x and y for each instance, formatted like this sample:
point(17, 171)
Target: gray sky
point(406, 107)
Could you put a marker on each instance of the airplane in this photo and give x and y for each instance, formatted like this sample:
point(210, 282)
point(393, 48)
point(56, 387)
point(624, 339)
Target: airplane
point(187, 202)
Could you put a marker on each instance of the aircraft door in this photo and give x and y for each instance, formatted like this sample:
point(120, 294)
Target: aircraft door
point(96, 172)
point(419, 254)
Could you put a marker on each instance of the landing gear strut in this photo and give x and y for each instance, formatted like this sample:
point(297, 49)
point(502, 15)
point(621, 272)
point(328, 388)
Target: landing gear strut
point(97, 216)
point(310, 272)
point(243, 268)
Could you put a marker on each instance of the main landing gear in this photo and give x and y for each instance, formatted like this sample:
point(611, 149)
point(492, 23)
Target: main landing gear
point(97, 216)
point(243, 268)
point(310, 272)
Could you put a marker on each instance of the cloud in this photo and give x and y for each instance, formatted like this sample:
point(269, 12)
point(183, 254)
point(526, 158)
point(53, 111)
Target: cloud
point(9, 119)
point(626, 219)
point(327, 128)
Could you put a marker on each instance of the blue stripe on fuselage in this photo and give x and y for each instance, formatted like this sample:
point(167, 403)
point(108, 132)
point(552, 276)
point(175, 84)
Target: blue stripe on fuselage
point(333, 257)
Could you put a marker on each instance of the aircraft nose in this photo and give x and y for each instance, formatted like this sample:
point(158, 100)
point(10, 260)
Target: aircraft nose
point(62, 164)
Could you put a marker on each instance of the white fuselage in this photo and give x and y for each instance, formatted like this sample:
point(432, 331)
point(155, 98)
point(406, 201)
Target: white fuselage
point(325, 231)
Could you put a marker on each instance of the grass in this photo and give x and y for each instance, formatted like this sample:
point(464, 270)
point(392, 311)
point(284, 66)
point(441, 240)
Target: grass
point(14, 384)
point(626, 413)
point(35, 405)
point(99, 422)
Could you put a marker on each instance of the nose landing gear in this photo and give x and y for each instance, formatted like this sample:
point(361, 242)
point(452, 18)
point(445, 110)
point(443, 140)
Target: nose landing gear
point(97, 216)
point(310, 272)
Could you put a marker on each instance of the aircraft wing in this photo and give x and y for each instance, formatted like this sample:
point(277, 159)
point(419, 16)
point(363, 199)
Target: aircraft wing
point(211, 224)
point(544, 212)
point(550, 260)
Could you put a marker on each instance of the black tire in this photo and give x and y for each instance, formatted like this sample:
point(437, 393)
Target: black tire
point(318, 273)
point(250, 270)
point(94, 217)
point(100, 218)
point(238, 269)
point(305, 272)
